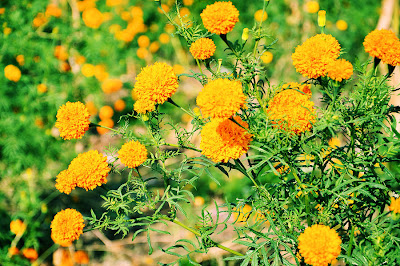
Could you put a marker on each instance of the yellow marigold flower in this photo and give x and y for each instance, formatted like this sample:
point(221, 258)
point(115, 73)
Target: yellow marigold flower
point(12, 73)
point(90, 169)
point(119, 105)
point(65, 182)
point(111, 85)
point(39, 20)
point(154, 46)
point(143, 41)
point(17, 227)
point(107, 123)
point(395, 205)
point(311, 58)
point(267, 57)
point(164, 38)
point(222, 140)
point(156, 83)
point(72, 120)
point(380, 43)
point(81, 257)
point(132, 154)
point(341, 25)
point(188, 2)
point(20, 59)
point(312, 7)
point(87, 70)
point(67, 226)
point(30, 253)
point(220, 17)
point(319, 245)
point(106, 112)
point(202, 48)
point(80, 59)
point(198, 201)
point(100, 72)
point(92, 17)
point(292, 111)
point(61, 53)
point(144, 106)
point(142, 53)
point(339, 69)
point(53, 10)
point(260, 15)
point(221, 98)
point(42, 88)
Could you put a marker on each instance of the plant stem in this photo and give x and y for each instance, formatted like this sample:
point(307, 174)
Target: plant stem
point(351, 240)
point(183, 109)
point(184, 147)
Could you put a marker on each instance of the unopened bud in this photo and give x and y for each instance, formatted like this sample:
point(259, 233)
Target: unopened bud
point(321, 18)
point(245, 34)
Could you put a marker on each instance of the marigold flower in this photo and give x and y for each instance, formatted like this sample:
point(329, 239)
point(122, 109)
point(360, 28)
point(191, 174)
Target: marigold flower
point(321, 18)
point(156, 83)
point(154, 46)
point(143, 41)
point(87, 70)
point(260, 15)
point(164, 38)
point(339, 69)
point(220, 17)
point(81, 257)
point(383, 44)
point(142, 52)
point(222, 140)
point(111, 85)
point(66, 227)
point(30, 254)
point(12, 73)
point(311, 58)
point(395, 205)
point(91, 107)
point(106, 112)
point(65, 182)
point(53, 10)
point(17, 227)
point(341, 25)
point(42, 88)
point(132, 154)
point(100, 72)
point(107, 123)
point(312, 7)
point(267, 57)
point(39, 20)
point(221, 98)
point(20, 59)
point(90, 169)
point(202, 48)
point(13, 251)
point(292, 111)
point(144, 106)
point(92, 17)
point(119, 105)
point(319, 245)
point(72, 120)
point(61, 53)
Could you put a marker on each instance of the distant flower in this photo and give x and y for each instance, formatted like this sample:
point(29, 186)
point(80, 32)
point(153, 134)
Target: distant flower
point(383, 44)
point(53, 10)
point(92, 17)
point(267, 57)
point(202, 48)
point(222, 140)
point(106, 112)
point(111, 85)
point(17, 227)
point(30, 253)
point(319, 245)
point(81, 257)
point(42, 88)
point(221, 98)
point(312, 7)
point(107, 123)
point(292, 111)
point(260, 15)
point(132, 154)
point(87, 70)
point(341, 25)
point(61, 53)
point(13, 251)
point(395, 205)
point(119, 105)
point(66, 227)
point(12, 73)
point(339, 69)
point(72, 120)
point(220, 17)
point(312, 57)
point(90, 169)
point(143, 41)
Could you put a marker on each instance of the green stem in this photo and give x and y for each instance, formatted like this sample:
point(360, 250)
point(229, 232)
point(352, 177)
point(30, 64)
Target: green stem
point(181, 146)
point(223, 37)
point(97, 125)
point(47, 253)
point(198, 64)
point(351, 240)
point(242, 169)
point(259, 27)
point(183, 109)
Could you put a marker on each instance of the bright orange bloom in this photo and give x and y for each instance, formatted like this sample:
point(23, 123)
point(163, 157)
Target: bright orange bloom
point(312, 7)
point(106, 112)
point(39, 20)
point(202, 48)
point(260, 15)
point(111, 85)
point(13, 251)
point(90, 169)
point(220, 17)
point(66, 227)
point(319, 245)
point(65, 182)
point(292, 110)
point(383, 44)
point(107, 123)
point(395, 205)
point(30, 254)
point(20, 59)
point(81, 257)
point(221, 98)
point(17, 227)
point(312, 57)
point(132, 154)
point(222, 140)
point(42, 88)
point(61, 53)
point(53, 10)
point(119, 105)
point(92, 17)
point(144, 106)
point(12, 73)
point(91, 107)
point(72, 120)
point(143, 41)
point(339, 70)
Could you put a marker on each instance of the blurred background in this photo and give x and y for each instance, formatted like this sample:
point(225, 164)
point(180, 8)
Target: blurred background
point(91, 51)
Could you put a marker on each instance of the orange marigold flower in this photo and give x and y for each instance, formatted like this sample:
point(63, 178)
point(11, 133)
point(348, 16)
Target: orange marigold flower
point(222, 140)
point(72, 120)
point(61, 53)
point(111, 85)
point(395, 205)
point(30, 254)
point(119, 105)
point(53, 10)
point(107, 123)
point(144, 106)
point(339, 70)
point(143, 41)
point(90, 169)
point(88, 70)
point(312, 7)
point(156, 83)
point(42, 88)
point(383, 44)
point(13, 251)
point(106, 112)
point(12, 73)
point(132, 154)
point(81, 257)
point(292, 110)
point(66, 227)
point(220, 17)
point(92, 17)
point(311, 58)
point(260, 15)
point(203, 48)
point(20, 59)
point(319, 245)
point(17, 227)
point(65, 182)
point(221, 98)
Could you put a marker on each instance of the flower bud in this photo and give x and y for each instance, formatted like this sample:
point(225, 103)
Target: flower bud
point(245, 34)
point(321, 18)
